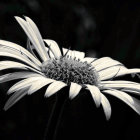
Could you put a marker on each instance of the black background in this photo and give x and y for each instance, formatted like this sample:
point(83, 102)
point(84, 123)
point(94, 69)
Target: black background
point(100, 28)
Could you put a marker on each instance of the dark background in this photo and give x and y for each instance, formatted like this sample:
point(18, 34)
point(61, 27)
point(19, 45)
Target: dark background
point(100, 28)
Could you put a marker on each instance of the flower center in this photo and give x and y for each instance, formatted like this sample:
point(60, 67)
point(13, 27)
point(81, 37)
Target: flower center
point(70, 70)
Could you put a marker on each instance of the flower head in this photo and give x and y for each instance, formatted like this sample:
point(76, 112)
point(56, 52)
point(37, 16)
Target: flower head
point(60, 68)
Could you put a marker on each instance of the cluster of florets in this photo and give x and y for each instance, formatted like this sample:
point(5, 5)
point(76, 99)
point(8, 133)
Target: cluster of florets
point(70, 70)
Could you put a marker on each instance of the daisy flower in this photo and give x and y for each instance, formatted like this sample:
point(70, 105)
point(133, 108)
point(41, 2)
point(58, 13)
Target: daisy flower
point(46, 64)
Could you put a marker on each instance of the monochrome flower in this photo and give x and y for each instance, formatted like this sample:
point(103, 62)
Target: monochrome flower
point(46, 64)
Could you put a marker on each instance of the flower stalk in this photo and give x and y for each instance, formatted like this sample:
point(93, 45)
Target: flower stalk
point(55, 117)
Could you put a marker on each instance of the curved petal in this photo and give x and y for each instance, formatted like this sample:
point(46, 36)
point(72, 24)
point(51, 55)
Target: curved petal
point(39, 84)
point(16, 75)
point(131, 101)
point(11, 64)
point(36, 31)
point(74, 90)
point(18, 48)
point(119, 82)
point(111, 72)
point(15, 98)
point(107, 64)
point(78, 55)
point(74, 54)
point(54, 47)
point(33, 36)
point(116, 71)
point(101, 60)
point(132, 87)
point(131, 91)
point(54, 87)
point(19, 56)
point(96, 94)
point(31, 48)
point(24, 83)
point(106, 106)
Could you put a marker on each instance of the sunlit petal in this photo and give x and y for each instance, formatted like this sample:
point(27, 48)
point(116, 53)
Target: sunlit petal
point(33, 37)
point(54, 47)
point(96, 94)
point(24, 83)
point(37, 33)
point(116, 71)
point(54, 87)
point(111, 72)
point(31, 48)
point(101, 60)
point(74, 54)
point(119, 82)
point(74, 90)
point(78, 55)
point(20, 49)
point(134, 87)
point(108, 64)
point(11, 64)
point(39, 84)
point(131, 101)
point(19, 56)
point(131, 91)
point(106, 106)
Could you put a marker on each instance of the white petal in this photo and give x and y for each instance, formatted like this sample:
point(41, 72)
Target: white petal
point(88, 59)
point(24, 83)
point(33, 37)
point(96, 94)
point(31, 48)
point(131, 101)
point(119, 82)
point(129, 71)
point(15, 98)
point(101, 60)
point(74, 54)
point(74, 90)
point(16, 75)
point(111, 72)
point(20, 49)
point(132, 87)
point(11, 64)
point(37, 32)
point(116, 71)
point(54, 87)
point(106, 106)
point(108, 64)
point(39, 84)
point(131, 91)
point(54, 47)
point(78, 55)
point(13, 54)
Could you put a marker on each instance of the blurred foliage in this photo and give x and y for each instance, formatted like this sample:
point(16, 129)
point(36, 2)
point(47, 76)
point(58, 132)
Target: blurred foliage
point(100, 28)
